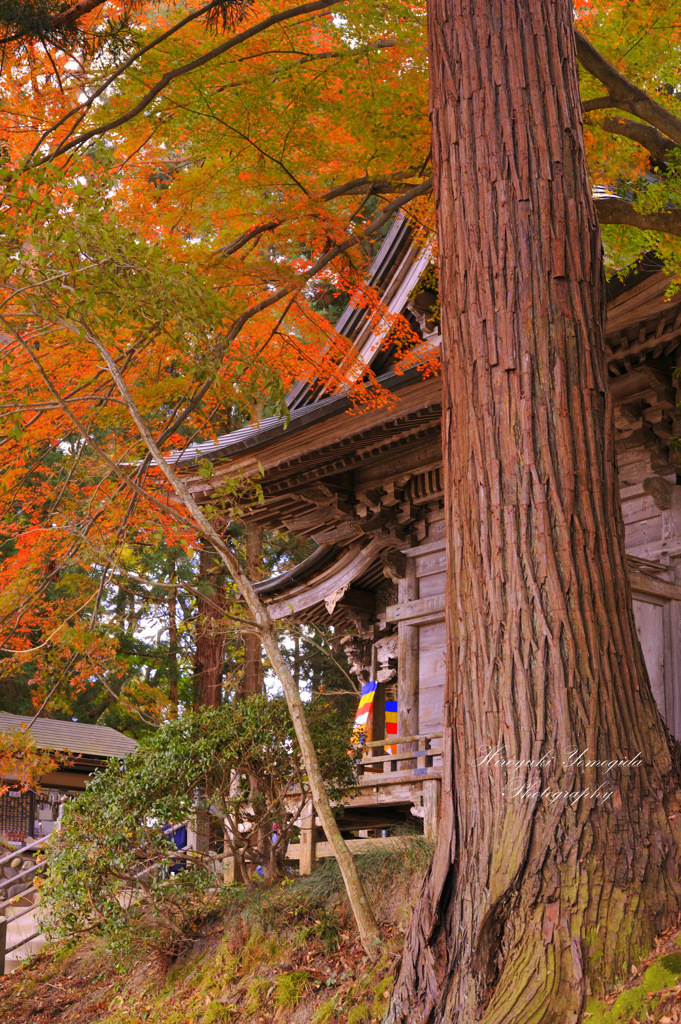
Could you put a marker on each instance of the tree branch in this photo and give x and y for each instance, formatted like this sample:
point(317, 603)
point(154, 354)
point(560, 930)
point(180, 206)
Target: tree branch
point(79, 10)
point(657, 144)
point(365, 185)
point(613, 210)
point(599, 103)
point(185, 69)
point(364, 917)
point(379, 44)
point(117, 72)
point(624, 94)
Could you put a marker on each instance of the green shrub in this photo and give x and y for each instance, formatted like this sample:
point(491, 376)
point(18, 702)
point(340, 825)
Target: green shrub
point(109, 867)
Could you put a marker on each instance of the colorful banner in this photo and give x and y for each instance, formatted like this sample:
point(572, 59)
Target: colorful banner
point(391, 724)
point(366, 702)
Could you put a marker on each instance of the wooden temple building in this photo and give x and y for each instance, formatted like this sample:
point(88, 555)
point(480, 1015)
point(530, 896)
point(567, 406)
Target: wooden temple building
point(368, 490)
point(79, 750)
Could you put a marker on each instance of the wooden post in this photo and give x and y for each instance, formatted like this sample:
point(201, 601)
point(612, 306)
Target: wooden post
point(231, 873)
point(3, 943)
point(431, 807)
point(308, 836)
point(408, 666)
point(198, 827)
point(252, 674)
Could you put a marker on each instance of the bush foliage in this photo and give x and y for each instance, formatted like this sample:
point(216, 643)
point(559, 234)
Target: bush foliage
point(234, 771)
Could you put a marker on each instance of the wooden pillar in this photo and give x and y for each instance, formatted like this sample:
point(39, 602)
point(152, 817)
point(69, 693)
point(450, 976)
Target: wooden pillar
point(431, 807)
point(408, 665)
point(378, 720)
point(308, 836)
point(198, 829)
point(232, 873)
point(674, 721)
point(3, 943)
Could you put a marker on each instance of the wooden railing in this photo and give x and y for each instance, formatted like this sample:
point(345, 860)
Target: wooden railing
point(27, 893)
point(413, 762)
point(419, 760)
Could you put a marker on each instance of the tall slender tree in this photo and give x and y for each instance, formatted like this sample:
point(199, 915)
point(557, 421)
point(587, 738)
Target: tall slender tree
point(252, 681)
point(550, 873)
point(209, 650)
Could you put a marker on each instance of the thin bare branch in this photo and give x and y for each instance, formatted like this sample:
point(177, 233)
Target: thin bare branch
point(366, 185)
point(323, 261)
point(308, 58)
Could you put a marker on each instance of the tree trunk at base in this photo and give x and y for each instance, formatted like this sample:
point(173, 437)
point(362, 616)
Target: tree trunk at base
point(209, 658)
point(532, 897)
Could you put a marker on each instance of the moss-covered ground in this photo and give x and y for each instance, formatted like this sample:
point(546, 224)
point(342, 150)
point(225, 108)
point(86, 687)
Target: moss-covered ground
point(652, 994)
point(281, 954)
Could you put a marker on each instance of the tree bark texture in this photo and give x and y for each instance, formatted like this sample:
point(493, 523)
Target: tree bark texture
point(173, 647)
point(252, 677)
point(533, 897)
point(209, 656)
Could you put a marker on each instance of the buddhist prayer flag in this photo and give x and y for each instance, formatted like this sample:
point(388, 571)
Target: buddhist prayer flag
point(391, 724)
point(366, 702)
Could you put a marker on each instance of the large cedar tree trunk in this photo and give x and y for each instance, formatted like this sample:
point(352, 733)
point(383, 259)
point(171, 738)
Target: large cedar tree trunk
point(527, 896)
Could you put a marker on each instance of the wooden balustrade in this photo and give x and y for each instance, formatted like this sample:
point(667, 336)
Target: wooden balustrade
point(375, 772)
point(419, 760)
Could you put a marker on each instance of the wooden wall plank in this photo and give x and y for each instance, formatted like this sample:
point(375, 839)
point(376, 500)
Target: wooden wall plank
point(432, 641)
point(649, 618)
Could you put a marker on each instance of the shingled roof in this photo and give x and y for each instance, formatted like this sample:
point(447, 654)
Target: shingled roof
point(72, 737)
point(258, 434)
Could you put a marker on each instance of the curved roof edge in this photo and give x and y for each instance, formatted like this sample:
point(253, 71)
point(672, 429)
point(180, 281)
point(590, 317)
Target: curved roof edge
point(320, 557)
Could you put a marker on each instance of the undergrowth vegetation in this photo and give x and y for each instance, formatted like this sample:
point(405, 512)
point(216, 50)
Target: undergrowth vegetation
point(280, 953)
point(113, 869)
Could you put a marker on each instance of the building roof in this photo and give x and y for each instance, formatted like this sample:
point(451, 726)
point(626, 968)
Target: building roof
point(311, 465)
point(395, 271)
point(642, 323)
point(256, 435)
point(72, 737)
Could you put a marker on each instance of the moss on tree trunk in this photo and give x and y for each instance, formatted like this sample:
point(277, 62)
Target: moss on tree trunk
point(532, 897)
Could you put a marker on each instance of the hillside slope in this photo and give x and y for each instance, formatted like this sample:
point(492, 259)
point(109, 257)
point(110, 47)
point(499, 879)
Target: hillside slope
point(284, 954)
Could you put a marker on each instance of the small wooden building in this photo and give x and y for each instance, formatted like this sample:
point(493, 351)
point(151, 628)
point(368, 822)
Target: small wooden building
point(85, 748)
point(368, 489)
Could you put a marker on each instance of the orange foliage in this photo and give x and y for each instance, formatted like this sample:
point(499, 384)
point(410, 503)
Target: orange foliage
point(167, 236)
point(184, 202)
